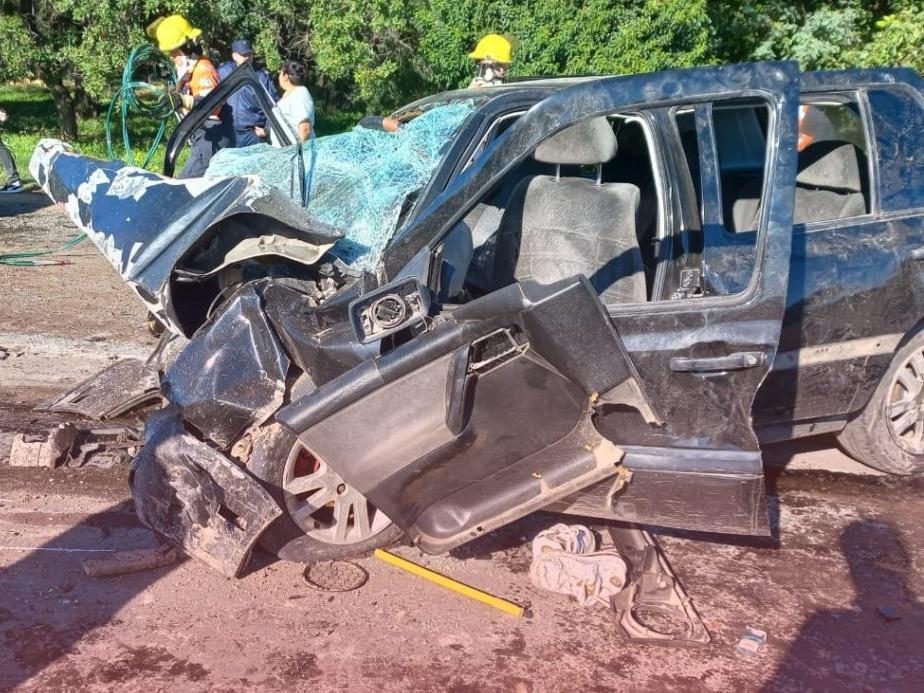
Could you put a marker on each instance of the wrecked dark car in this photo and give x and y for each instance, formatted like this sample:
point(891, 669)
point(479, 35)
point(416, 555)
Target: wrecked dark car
point(604, 297)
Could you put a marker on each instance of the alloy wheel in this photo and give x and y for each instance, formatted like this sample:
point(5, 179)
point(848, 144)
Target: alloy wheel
point(904, 408)
point(323, 505)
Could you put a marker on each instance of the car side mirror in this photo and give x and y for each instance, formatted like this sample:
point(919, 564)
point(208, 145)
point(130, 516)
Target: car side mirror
point(388, 309)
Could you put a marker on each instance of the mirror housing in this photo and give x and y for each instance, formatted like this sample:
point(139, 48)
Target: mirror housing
point(388, 309)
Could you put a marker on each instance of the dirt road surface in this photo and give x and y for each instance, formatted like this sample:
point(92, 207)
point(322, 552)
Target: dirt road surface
point(838, 588)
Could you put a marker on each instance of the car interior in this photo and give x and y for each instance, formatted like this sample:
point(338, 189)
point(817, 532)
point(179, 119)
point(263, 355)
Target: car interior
point(527, 228)
point(832, 181)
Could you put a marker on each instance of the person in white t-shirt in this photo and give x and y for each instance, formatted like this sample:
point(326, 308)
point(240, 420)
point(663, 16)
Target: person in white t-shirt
point(295, 109)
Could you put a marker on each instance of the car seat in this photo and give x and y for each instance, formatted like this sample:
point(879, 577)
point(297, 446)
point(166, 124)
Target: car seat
point(829, 185)
point(555, 227)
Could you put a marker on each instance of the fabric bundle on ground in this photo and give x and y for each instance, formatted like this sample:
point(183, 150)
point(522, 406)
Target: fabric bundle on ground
point(360, 181)
point(564, 561)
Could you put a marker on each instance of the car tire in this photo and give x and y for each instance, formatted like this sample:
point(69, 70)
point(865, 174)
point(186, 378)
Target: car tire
point(872, 438)
point(288, 538)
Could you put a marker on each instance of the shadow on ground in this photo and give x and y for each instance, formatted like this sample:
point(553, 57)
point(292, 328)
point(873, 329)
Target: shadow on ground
point(47, 604)
point(868, 644)
point(23, 203)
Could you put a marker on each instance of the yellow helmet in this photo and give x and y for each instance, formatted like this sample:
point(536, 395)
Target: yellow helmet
point(493, 48)
point(172, 32)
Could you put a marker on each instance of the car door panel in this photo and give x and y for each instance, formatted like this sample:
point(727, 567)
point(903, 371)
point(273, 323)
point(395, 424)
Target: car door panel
point(536, 358)
point(700, 490)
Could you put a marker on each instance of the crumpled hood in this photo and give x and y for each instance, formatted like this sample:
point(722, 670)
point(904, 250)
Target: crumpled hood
point(144, 223)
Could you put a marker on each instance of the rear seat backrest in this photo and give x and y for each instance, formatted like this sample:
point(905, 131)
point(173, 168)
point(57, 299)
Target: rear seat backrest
point(828, 185)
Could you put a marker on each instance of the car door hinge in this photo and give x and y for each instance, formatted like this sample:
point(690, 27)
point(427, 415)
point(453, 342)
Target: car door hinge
point(691, 284)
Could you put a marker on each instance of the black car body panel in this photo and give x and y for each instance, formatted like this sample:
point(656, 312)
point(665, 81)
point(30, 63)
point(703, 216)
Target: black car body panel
point(704, 409)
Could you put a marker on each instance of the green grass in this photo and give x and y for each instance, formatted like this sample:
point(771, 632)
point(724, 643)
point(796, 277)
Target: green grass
point(32, 117)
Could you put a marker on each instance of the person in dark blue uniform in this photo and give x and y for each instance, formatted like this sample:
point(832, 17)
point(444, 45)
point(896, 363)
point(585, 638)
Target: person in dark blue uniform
point(245, 109)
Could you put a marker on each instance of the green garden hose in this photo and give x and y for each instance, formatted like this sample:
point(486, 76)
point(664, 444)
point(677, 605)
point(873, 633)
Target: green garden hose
point(25, 258)
point(133, 95)
point(143, 98)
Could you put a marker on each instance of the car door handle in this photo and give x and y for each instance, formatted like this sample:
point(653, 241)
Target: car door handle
point(917, 254)
point(733, 362)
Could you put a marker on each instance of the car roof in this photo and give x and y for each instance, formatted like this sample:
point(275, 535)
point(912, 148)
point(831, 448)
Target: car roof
point(826, 79)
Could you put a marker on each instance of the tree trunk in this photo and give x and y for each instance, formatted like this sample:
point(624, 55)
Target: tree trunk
point(86, 105)
point(67, 114)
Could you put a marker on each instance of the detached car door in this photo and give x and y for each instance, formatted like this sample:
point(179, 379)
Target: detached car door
point(493, 409)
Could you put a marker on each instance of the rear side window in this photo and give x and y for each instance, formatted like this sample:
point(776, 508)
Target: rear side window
point(832, 180)
point(741, 146)
point(898, 121)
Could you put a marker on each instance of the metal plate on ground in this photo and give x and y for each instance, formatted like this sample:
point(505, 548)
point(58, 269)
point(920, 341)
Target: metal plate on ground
point(335, 576)
point(115, 390)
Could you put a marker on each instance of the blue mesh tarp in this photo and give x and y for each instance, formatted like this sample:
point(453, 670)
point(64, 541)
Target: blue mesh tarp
point(358, 181)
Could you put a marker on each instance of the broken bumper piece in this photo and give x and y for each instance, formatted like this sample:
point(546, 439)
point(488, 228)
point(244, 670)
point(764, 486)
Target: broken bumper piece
point(123, 386)
point(196, 497)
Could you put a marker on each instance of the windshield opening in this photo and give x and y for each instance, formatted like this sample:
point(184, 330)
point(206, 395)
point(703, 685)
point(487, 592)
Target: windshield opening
point(362, 182)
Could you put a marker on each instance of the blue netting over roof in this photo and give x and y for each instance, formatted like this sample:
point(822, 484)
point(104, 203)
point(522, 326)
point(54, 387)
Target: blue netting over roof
point(358, 181)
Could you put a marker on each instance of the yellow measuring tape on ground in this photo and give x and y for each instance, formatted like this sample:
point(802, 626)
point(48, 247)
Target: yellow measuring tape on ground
point(449, 583)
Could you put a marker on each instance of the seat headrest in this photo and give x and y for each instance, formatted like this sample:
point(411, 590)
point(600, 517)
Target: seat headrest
point(588, 142)
point(830, 165)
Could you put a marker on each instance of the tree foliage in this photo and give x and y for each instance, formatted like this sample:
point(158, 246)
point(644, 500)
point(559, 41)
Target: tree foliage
point(375, 54)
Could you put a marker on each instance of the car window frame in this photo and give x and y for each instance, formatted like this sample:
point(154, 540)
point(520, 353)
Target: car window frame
point(672, 304)
point(747, 294)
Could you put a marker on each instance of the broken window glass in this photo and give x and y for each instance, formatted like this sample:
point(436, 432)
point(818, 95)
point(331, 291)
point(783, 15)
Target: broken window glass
point(360, 182)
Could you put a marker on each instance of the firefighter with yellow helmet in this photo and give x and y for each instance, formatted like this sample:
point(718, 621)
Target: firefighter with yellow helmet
point(196, 77)
point(493, 54)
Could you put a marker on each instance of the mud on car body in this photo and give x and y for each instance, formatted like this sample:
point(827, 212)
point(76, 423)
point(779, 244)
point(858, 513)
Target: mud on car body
point(608, 294)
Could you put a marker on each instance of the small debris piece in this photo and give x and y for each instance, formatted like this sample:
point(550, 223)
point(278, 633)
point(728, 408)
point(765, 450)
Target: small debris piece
point(889, 613)
point(125, 562)
point(752, 641)
point(335, 576)
point(43, 453)
point(104, 447)
point(25, 453)
point(565, 560)
point(59, 443)
point(124, 385)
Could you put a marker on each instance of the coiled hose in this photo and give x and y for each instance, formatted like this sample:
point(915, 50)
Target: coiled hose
point(135, 95)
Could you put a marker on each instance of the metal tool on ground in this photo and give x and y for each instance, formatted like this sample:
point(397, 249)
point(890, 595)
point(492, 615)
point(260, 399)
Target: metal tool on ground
point(653, 607)
point(472, 593)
